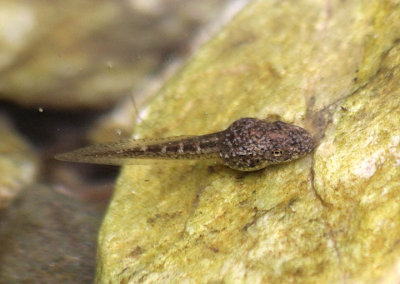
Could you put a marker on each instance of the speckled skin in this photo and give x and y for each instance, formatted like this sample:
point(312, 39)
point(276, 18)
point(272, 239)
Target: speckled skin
point(248, 144)
point(251, 144)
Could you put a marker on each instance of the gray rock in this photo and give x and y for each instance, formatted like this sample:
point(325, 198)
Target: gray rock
point(47, 237)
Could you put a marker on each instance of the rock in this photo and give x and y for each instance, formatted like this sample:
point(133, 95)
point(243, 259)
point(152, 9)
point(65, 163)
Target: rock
point(78, 54)
point(18, 163)
point(47, 237)
point(329, 217)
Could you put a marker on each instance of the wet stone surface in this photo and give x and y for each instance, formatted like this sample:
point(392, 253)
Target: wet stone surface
point(331, 216)
point(18, 163)
point(47, 237)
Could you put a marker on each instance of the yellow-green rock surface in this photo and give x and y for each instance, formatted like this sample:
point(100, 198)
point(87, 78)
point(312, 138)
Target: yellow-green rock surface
point(333, 216)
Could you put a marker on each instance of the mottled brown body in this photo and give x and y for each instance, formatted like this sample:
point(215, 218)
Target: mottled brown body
point(251, 144)
point(248, 144)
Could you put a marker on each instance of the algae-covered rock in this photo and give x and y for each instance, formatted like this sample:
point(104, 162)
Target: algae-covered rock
point(333, 216)
point(18, 163)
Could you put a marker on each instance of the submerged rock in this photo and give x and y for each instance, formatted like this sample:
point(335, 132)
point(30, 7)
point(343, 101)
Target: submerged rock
point(18, 163)
point(47, 237)
point(332, 216)
point(76, 54)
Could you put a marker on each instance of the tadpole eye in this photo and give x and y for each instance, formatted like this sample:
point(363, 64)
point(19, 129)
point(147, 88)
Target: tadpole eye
point(277, 153)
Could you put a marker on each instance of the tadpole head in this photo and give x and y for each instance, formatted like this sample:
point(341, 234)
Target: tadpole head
point(251, 144)
point(288, 142)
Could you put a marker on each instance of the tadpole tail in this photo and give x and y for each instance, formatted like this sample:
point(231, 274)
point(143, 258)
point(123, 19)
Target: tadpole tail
point(106, 154)
point(140, 151)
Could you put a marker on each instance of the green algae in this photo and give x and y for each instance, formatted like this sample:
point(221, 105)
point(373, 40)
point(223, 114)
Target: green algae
point(329, 217)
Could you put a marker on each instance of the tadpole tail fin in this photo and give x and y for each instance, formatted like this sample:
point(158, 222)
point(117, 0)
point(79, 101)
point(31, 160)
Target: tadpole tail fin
point(132, 152)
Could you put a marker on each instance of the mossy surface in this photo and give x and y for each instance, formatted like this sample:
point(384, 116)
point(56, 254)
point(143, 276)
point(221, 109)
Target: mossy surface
point(331, 66)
